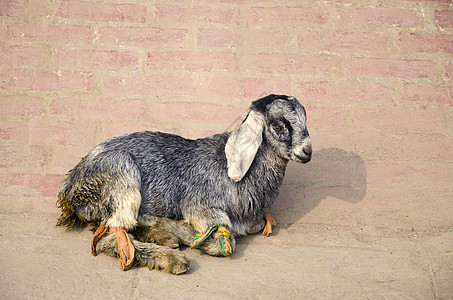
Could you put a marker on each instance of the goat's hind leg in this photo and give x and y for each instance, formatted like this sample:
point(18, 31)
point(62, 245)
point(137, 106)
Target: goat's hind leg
point(105, 187)
point(148, 255)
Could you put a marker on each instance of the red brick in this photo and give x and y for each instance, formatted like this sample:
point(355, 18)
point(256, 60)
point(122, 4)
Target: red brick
point(225, 1)
point(15, 130)
point(290, 64)
point(426, 42)
point(96, 108)
point(100, 11)
point(47, 185)
point(65, 106)
point(192, 61)
point(428, 94)
point(150, 84)
point(25, 8)
point(187, 15)
point(341, 40)
point(257, 40)
point(444, 18)
point(22, 156)
point(8, 181)
point(142, 36)
point(400, 68)
point(22, 106)
point(87, 60)
point(112, 130)
point(64, 157)
point(222, 38)
point(324, 118)
point(111, 108)
point(399, 121)
point(62, 133)
point(449, 71)
point(227, 87)
point(48, 33)
point(367, 17)
point(12, 57)
point(324, 92)
point(251, 88)
point(124, 109)
point(438, 1)
point(294, 16)
point(255, 88)
point(195, 112)
point(31, 80)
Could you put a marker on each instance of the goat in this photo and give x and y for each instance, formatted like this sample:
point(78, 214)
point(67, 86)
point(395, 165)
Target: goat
point(165, 189)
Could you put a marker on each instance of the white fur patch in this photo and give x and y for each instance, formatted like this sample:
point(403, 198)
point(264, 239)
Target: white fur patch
point(127, 202)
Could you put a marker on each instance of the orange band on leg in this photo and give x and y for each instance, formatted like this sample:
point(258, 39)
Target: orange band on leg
point(125, 248)
point(98, 234)
point(269, 223)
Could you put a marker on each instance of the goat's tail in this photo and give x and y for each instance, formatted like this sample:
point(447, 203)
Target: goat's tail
point(69, 216)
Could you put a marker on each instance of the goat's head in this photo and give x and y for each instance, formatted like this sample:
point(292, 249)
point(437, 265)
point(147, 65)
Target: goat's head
point(279, 119)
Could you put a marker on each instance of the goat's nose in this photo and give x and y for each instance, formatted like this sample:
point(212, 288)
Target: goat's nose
point(307, 149)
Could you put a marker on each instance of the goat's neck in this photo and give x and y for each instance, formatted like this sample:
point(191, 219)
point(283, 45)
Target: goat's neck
point(269, 164)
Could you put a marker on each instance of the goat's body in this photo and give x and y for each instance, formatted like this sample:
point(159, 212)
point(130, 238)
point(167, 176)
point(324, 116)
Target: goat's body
point(176, 178)
point(202, 192)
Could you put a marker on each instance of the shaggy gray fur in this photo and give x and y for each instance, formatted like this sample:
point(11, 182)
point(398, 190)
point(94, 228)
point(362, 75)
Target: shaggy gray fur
point(128, 180)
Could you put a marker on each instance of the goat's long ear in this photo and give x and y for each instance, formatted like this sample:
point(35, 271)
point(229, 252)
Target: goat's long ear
point(243, 144)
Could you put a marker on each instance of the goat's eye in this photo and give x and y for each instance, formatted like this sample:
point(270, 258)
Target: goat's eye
point(277, 128)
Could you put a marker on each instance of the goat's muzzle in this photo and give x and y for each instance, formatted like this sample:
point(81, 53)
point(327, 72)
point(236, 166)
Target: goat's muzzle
point(303, 154)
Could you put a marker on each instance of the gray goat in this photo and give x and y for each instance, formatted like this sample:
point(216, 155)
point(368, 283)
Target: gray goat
point(164, 189)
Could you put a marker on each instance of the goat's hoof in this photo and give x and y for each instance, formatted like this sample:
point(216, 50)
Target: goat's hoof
point(172, 261)
point(180, 269)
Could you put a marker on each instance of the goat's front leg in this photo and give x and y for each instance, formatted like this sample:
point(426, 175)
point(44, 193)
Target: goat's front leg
point(155, 234)
point(148, 255)
point(211, 222)
point(185, 232)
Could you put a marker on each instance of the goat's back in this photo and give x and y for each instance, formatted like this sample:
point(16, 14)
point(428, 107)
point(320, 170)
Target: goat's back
point(174, 169)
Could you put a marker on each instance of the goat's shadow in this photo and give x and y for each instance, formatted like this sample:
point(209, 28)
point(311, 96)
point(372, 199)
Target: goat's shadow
point(332, 172)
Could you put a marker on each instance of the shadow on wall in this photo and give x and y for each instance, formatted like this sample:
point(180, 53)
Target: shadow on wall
point(332, 172)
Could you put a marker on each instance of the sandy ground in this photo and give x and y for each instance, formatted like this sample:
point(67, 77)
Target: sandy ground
point(298, 261)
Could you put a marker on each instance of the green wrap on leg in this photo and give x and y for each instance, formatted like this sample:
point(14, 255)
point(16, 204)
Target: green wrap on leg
point(217, 231)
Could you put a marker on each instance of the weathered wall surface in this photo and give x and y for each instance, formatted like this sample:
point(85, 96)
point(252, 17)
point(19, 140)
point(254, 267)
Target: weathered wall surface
point(375, 76)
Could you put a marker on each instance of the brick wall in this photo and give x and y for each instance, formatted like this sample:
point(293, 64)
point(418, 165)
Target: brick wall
point(375, 76)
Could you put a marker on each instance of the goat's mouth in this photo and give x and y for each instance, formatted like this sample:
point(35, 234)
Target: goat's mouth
point(302, 158)
point(302, 154)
